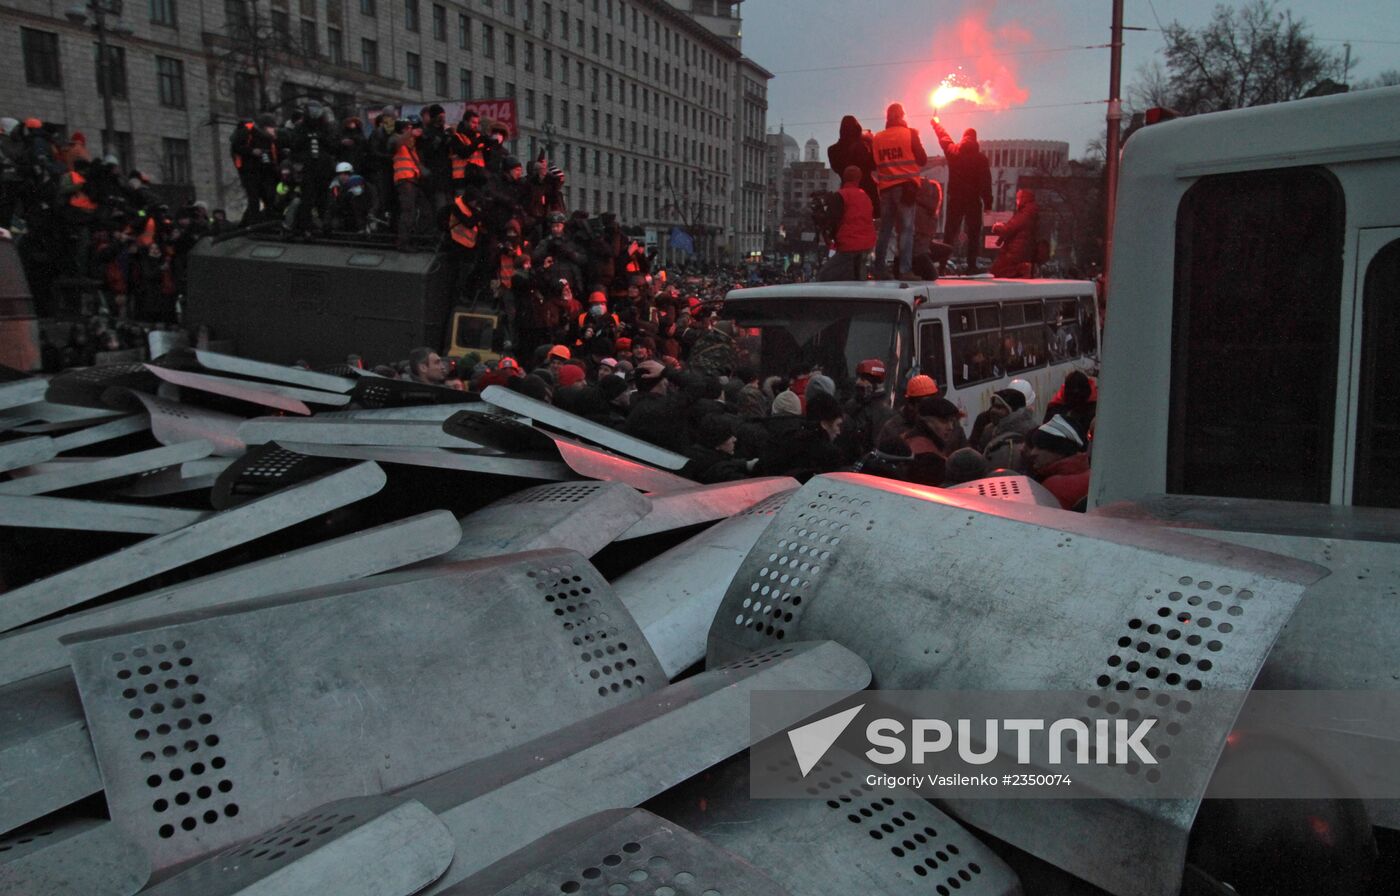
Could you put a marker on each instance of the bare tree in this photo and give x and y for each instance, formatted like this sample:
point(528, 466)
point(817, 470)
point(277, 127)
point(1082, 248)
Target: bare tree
point(1250, 56)
point(256, 50)
point(1388, 78)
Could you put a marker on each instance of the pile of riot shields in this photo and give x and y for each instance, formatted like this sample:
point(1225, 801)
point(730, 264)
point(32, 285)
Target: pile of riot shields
point(268, 630)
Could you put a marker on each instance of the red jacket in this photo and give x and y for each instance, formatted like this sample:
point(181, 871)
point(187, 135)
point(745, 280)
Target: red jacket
point(1067, 479)
point(856, 232)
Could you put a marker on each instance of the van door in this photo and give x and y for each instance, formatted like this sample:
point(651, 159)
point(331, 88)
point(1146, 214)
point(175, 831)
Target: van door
point(1373, 450)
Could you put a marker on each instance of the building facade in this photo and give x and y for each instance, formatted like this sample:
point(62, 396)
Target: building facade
point(1010, 161)
point(751, 153)
point(644, 103)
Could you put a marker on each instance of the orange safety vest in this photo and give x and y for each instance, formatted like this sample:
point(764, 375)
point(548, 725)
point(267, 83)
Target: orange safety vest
point(79, 199)
point(406, 165)
point(894, 158)
point(460, 162)
point(463, 233)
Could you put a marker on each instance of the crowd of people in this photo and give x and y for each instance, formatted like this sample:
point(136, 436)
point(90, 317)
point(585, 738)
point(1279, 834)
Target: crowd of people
point(693, 395)
point(884, 199)
point(95, 229)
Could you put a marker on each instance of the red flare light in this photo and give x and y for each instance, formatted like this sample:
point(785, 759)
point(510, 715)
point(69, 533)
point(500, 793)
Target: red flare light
point(987, 77)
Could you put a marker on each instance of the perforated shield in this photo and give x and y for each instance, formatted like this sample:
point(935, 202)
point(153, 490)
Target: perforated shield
point(262, 370)
point(292, 399)
point(88, 386)
point(370, 846)
point(80, 584)
point(580, 516)
point(924, 584)
point(624, 756)
point(674, 595)
point(45, 754)
point(620, 851)
point(35, 649)
point(132, 464)
point(519, 439)
point(378, 392)
point(315, 430)
point(22, 391)
point(102, 432)
point(265, 469)
point(582, 427)
point(849, 838)
point(24, 452)
point(705, 504)
point(1022, 489)
point(74, 855)
point(96, 516)
point(297, 700)
point(173, 422)
point(487, 462)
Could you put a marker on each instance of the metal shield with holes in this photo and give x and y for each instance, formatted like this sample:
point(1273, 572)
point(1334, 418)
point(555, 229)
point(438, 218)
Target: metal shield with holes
point(45, 753)
point(705, 504)
point(849, 838)
point(938, 590)
point(1009, 488)
point(674, 595)
point(173, 422)
point(621, 851)
point(624, 756)
point(580, 516)
point(369, 846)
point(212, 728)
point(68, 855)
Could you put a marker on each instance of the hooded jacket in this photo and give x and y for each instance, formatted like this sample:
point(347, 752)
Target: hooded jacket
point(853, 149)
point(1002, 441)
point(969, 172)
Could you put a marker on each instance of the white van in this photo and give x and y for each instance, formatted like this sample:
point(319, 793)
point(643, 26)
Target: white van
point(973, 335)
point(1255, 281)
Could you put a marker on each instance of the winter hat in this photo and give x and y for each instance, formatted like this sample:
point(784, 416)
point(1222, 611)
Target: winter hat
point(1012, 399)
point(716, 429)
point(964, 465)
point(787, 404)
point(938, 408)
point(622, 344)
point(822, 407)
point(570, 375)
point(612, 386)
point(820, 382)
point(1058, 436)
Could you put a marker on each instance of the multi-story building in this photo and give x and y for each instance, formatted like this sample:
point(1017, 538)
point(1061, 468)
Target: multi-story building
point(800, 180)
point(642, 102)
point(780, 151)
point(751, 154)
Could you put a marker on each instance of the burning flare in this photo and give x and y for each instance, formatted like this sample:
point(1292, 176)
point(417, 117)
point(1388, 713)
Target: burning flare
point(987, 77)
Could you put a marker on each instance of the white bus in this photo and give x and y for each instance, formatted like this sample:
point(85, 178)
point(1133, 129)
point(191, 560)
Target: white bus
point(1254, 308)
point(973, 336)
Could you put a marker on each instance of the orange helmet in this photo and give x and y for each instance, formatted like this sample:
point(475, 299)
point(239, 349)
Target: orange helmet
point(921, 386)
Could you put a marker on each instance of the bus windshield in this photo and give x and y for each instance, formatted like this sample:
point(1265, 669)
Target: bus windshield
point(775, 336)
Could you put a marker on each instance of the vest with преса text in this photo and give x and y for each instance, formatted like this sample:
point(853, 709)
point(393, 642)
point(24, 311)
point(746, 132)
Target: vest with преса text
point(894, 157)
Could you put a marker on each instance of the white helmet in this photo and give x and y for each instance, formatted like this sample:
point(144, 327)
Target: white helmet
point(1025, 389)
point(344, 168)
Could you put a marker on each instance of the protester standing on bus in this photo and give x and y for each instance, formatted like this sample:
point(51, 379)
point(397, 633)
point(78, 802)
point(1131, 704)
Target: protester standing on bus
point(969, 190)
point(1017, 238)
point(899, 156)
point(853, 148)
point(855, 234)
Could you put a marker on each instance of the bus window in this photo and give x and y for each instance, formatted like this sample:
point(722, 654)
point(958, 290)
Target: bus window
point(932, 359)
point(1088, 326)
point(1378, 415)
point(1062, 329)
point(976, 343)
point(1256, 305)
point(1023, 337)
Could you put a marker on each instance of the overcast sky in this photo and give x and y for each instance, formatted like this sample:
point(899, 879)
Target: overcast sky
point(874, 52)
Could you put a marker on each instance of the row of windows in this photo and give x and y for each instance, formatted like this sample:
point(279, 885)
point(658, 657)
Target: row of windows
point(43, 68)
point(651, 30)
point(996, 340)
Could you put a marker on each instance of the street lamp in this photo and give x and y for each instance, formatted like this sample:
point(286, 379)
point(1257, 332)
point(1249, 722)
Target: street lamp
point(100, 10)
